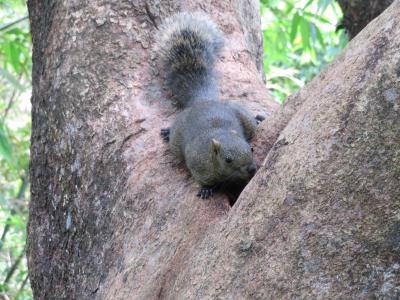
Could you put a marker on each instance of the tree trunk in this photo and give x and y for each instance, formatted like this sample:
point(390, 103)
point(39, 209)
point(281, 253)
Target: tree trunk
point(112, 216)
point(358, 13)
point(106, 193)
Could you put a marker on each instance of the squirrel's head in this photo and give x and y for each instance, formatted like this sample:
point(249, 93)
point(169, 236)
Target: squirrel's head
point(233, 157)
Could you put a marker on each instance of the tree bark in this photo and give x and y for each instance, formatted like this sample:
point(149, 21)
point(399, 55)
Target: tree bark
point(358, 13)
point(112, 216)
point(106, 194)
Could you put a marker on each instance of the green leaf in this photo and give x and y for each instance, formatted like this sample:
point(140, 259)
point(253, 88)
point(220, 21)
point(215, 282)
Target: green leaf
point(281, 38)
point(5, 145)
point(12, 53)
point(289, 7)
point(295, 24)
point(15, 32)
point(323, 5)
point(307, 4)
point(305, 33)
point(317, 18)
point(320, 38)
point(313, 32)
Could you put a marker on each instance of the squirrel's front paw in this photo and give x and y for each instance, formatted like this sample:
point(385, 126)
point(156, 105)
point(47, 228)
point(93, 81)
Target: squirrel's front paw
point(165, 134)
point(205, 192)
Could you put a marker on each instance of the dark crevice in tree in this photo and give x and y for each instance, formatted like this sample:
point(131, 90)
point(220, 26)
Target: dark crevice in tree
point(233, 191)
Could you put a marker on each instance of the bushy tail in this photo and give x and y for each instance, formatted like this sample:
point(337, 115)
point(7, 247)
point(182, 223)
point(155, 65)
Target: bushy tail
point(188, 45)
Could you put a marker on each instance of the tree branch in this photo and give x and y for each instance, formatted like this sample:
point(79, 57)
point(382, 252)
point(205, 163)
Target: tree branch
point(14, 267)
point(9, 25)
point(22, 286)
point(13, 211)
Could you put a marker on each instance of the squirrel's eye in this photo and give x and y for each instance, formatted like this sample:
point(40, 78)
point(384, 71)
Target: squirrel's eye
point(252, 149)
point(228, 160)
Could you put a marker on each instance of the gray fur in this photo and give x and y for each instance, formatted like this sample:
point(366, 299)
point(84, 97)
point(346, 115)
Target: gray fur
point(189, 44)
point(212, 137)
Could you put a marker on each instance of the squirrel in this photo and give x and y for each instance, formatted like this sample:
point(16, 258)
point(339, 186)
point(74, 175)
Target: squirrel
point(210, 136)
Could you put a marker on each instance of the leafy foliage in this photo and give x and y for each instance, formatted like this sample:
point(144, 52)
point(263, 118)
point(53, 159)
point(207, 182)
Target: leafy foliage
point(299, 40)
point(15, 74)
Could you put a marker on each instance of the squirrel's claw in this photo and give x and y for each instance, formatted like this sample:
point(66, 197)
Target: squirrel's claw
point(165, 134)
point(205, 192)
point(259, 119)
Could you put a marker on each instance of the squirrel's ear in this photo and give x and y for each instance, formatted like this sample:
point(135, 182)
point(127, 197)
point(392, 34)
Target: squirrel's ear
point(216, 146)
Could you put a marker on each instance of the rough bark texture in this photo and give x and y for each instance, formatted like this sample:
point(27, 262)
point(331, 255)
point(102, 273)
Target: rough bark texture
point(109, 204)
point(358, 13)
point(113, 217)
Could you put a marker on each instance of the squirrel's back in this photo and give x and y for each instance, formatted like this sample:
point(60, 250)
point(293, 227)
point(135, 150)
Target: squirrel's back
point(189, 44)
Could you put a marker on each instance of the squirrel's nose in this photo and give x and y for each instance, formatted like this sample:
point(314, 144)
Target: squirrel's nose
point(251, 169)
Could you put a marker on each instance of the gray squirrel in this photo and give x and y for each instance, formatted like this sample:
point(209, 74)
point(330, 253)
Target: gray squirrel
point(210, 136)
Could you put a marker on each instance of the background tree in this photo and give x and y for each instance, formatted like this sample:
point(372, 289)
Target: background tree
point(358, 13)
